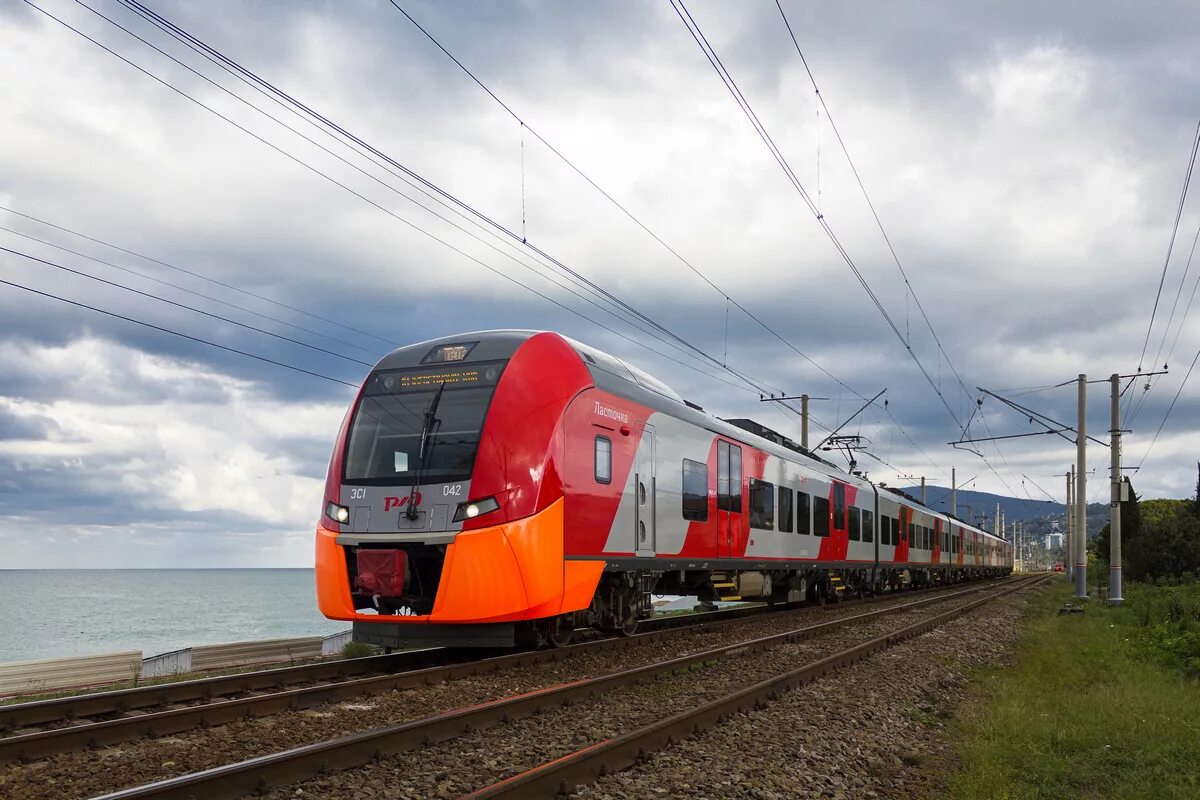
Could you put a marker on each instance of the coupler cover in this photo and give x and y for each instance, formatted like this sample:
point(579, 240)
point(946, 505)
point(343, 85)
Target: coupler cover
point(381, 572)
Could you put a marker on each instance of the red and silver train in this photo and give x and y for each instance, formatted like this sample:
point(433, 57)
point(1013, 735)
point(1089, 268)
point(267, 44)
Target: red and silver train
point(502, 487)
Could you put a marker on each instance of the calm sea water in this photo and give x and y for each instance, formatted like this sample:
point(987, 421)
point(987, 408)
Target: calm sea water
point(55, 613)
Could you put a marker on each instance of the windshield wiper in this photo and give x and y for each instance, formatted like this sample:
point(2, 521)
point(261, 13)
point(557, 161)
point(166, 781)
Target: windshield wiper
point(426, 447)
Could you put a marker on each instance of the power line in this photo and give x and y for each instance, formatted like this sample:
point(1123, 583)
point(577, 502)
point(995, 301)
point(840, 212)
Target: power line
point(1171, 244)
point(183, 306)
point(180, 334)
point(447, 199)
point(1170, 408)
point(300, 162)
point(176, 286)
point(622, 208)
point(867, 197)
point(746, 108)
point(211, 280)
point(1135, 407)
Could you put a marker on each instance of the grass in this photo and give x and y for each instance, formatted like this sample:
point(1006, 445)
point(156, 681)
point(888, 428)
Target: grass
point(1099, 705)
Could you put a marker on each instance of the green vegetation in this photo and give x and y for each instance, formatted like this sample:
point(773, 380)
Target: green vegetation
point(1159, 538)
point(1099, 705)
point(359, 650)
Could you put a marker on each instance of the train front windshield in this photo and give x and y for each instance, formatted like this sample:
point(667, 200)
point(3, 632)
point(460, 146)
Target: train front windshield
point(444, 405)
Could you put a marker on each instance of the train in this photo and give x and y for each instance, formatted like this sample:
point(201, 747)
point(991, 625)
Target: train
point(506, 488)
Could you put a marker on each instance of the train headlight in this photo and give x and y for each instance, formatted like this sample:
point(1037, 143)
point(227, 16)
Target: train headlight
point(337, 513)
point(474, 508)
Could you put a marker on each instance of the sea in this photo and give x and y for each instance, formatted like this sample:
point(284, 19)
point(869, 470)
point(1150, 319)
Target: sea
point(60, 613)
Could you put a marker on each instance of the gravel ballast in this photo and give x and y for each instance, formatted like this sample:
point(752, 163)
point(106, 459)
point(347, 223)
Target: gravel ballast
point(847, 735)
point(452, 768)
point(88, 773)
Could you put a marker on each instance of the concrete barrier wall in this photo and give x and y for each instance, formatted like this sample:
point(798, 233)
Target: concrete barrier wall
point(170, 663)
point(32, 677)
point(332, 645)
point(215, 656)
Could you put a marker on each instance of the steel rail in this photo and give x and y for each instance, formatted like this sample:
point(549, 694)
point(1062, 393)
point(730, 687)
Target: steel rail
point(32, 745)
point(32, 713)
point(556, 778)
point(301, 763)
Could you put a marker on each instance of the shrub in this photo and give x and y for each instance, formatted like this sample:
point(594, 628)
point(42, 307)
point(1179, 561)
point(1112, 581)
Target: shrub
point(358, 650)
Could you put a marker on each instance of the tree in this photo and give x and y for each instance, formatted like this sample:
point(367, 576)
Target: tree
point(1196, 499)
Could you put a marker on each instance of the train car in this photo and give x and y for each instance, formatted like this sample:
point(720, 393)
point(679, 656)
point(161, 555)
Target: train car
point(505, 487)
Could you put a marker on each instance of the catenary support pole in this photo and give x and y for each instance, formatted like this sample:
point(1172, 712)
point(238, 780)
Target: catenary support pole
point(804, 421)
point(1081, 494)
point(1114, 513)
point(1068, 552)
point(922, 490)
point(953, 492)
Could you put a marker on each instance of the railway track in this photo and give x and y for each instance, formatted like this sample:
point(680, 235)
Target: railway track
point(141, 703)
point(257, 775)
point(49, 727)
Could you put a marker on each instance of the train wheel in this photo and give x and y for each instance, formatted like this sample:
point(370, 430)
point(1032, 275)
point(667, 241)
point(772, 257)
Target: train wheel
point(560, 629)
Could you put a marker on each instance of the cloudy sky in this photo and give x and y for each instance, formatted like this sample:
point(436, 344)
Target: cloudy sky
point(1026, 161)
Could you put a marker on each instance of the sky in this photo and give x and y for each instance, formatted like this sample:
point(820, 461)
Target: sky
point(1025, 161)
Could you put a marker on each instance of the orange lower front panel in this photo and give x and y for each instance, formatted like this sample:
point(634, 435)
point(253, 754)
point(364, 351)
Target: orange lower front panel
point(504, 573)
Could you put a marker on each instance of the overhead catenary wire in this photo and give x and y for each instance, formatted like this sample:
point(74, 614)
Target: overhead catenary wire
point(417, 228)
point(441, 196)
point(248, 76)
point(183, 306)
point(331, 128)
point(180, 334)
point(870, 204)
point(192, 292)
point(746, 108)
point(1171, 243)
point(525, 126)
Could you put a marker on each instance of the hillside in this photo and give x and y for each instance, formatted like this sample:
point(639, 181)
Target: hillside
point(1038, 513)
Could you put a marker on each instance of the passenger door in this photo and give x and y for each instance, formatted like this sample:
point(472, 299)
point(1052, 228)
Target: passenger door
point(729, 498)
point(645, 496)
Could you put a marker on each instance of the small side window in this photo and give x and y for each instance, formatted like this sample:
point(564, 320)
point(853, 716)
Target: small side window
point(885, 535)
point(868, 526)
point(803, 513)
point(785, 510)
point(695, 490)
point(603, 459)
point(762, 505)
point(855, 525)
point(820, 515)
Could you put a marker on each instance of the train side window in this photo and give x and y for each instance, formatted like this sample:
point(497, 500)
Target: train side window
point(855, 525)
point(820, 515)
point(912, 534)
point(735, 479)
point(868, 526)
point(839, 506)
point(695, 490)
point(885, 535)
point(762, 505)
point(785, 510)
point(603, 459)
point(803, 513)
point(729, 477)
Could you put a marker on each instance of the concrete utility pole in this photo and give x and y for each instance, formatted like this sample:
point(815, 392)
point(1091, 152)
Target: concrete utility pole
point(996, 529)
point(1069, 542)
point(1081, 494)
point(922, 490)
point(1114, 512)
point(953, 493)
point(804, 421)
